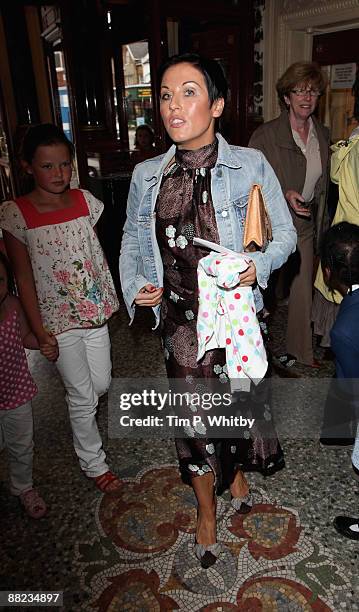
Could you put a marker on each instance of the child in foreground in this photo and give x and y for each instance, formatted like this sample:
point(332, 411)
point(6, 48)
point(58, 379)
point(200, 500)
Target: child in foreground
point(17, 389)
point(340, 265)
point(64, 285)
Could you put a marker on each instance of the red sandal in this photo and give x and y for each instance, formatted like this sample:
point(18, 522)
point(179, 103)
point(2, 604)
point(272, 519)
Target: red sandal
point(33, 503)
point(107, 482)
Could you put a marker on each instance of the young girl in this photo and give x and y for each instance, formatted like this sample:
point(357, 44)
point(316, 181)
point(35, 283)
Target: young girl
point(65, 285)
point(17, 389)
point(340, 265)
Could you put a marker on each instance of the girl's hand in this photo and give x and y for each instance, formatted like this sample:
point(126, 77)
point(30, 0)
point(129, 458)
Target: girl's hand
point(48, 346)
point(149, 296)
point(249, 276)
point(50, 352)
point(294, 198)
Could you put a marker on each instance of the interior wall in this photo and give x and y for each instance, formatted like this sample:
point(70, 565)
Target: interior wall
point(289, 26)
point(6, 82)
point(39, 64)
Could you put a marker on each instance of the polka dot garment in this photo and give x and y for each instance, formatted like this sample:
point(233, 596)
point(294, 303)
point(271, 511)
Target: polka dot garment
point(227, 318)
point(16, 384)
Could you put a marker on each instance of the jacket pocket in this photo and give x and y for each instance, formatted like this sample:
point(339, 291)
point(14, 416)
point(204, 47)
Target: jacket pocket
point(240, 208)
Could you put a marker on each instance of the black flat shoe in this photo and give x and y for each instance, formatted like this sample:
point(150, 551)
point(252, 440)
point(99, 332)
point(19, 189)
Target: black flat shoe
point(336, 442)
point(287, 360)
point(273, 468)
point(242, 505)
point(347, 526)
point(207, 555)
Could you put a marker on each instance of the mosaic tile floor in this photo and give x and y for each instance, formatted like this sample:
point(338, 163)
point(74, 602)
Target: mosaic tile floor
point(88, 545)
point(142, 557)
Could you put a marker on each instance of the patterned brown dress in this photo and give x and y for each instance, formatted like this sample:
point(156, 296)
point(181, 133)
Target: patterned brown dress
point(184, 209)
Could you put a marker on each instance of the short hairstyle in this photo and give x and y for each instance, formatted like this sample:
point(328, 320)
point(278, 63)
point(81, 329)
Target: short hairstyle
point(9, 273)
point(44, 134)
point(216, 82)
point(340, 253)
point(145, 128)
point(300, 73)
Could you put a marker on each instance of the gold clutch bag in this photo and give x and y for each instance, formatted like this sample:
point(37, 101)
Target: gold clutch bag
point(257, 227)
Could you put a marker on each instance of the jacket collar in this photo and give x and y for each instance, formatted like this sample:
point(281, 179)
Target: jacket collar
point(225, 154)
point(284, 136)
point(350, 299)
point(155, 171)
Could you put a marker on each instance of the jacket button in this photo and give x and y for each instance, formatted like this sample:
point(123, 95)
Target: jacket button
point(219, 172)
point(224, 213)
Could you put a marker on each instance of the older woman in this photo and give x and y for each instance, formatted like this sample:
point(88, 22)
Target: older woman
point(200, 187)
point(297, 147)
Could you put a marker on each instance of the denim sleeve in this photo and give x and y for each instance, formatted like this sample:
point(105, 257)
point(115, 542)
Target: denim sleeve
point(284, 234)
point(130, 257)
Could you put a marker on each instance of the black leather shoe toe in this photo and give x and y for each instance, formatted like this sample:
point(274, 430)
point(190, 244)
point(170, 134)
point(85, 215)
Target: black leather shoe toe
point(336, 442)
point(347, 526)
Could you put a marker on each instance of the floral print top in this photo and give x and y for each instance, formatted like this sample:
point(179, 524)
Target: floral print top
point(73, 282)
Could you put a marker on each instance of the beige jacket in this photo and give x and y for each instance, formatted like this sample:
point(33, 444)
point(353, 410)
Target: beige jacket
point(275, 140)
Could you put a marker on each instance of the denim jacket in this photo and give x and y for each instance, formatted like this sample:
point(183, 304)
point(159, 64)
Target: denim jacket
point(236, 169)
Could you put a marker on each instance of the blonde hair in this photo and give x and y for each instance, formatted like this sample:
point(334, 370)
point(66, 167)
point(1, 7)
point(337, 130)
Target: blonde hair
point(300, 73)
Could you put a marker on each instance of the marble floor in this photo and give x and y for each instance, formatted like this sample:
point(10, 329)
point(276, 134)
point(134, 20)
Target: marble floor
point(44, 555)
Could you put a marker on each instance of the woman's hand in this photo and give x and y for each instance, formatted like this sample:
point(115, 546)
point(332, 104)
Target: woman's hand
point(149, 296)
point(293, 197)
point(249, 276)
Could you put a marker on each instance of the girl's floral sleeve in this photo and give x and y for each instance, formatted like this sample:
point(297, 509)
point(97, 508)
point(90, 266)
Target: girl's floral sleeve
point(12, 220)
point(95, 207)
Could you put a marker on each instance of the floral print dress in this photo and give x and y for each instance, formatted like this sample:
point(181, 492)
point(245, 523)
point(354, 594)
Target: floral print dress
point(184, 209)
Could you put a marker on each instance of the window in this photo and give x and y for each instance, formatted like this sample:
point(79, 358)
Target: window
point(136, 79)
point(59, 61)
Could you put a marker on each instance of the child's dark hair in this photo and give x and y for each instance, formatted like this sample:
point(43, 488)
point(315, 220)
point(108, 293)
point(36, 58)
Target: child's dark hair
point(44, 134)
point(145, 128)
point(216, 82)
point(340, 253)
point(11, 287)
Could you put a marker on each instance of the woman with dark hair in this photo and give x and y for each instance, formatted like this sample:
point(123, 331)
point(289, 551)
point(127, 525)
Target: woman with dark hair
point(297, 147)
point(340, 265)
point(144, 143)
point(200, 187)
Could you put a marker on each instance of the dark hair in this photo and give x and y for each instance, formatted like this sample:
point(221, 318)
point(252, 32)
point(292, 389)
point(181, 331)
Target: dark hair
point(216, 82)
point(300, 73)
point(145, 128)
point(44, 134)
point(9, 273)
point(340, 253)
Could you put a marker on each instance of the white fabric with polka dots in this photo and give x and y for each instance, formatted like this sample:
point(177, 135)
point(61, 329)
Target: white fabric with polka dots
point(227, 319)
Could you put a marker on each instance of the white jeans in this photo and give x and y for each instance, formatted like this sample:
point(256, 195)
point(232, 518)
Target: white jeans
point(84, 365)
point(16, 435)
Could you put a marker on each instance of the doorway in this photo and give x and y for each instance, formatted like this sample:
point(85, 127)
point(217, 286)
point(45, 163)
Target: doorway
point(338, 54)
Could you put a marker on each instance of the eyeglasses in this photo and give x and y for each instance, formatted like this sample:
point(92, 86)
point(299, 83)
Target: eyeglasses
point(313, 93)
